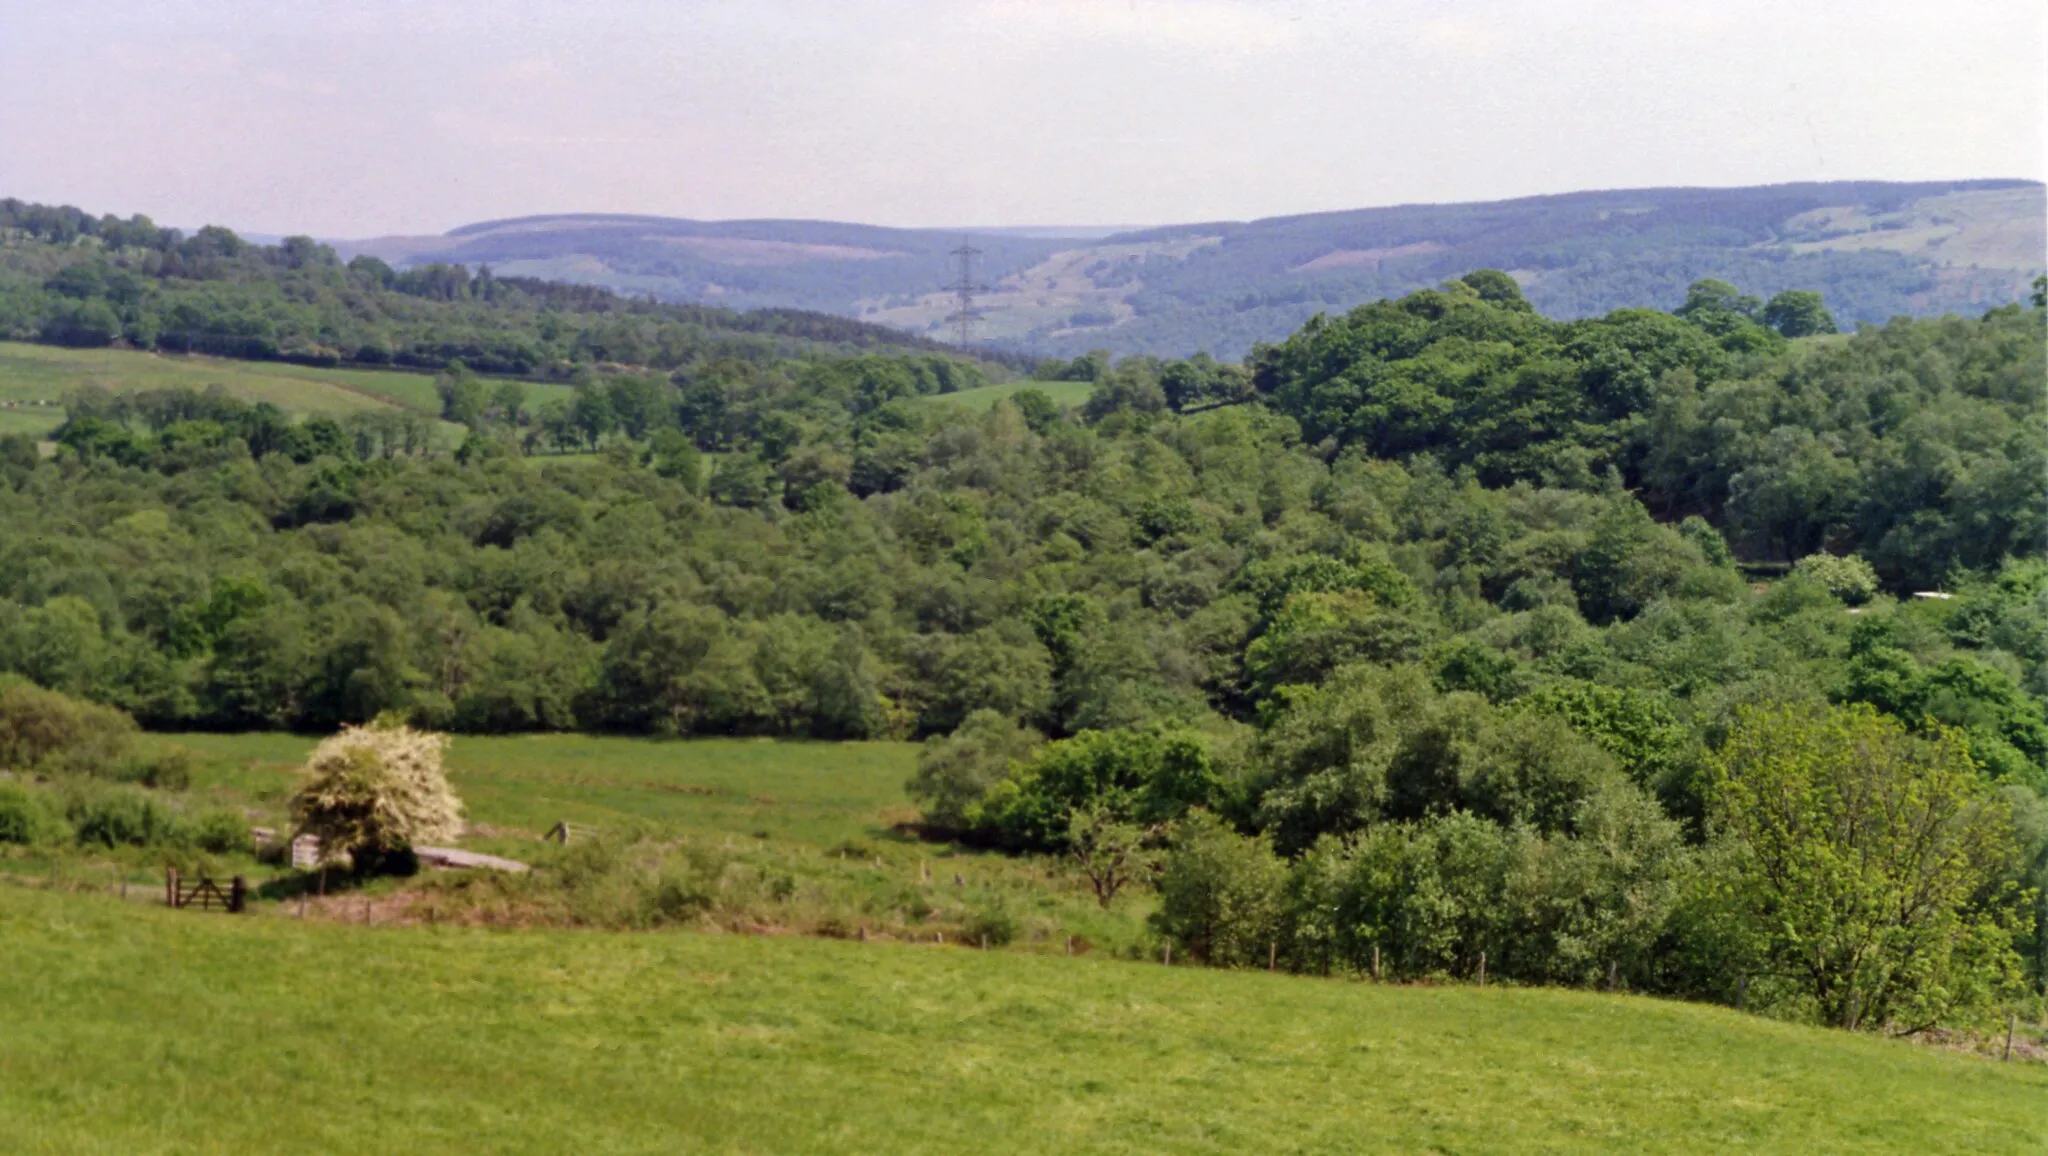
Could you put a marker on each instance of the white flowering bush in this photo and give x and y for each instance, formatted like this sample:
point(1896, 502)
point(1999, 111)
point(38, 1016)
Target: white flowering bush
point(378, 789)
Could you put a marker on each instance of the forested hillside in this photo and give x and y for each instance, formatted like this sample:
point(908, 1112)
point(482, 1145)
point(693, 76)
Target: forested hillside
point(1873, 250)
point(69, 278)
point(1434, 615)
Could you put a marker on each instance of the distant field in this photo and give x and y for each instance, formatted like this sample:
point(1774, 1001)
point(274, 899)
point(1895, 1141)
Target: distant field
point(42, 373)
point(34, 421)
point(1062, 392)
point(132, 1028)
point(814, 793)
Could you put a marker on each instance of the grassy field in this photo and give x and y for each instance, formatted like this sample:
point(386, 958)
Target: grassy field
point(813, 793)
point(31, 374)
point(1062, 392)
point(132, 1028)
point(828, 819)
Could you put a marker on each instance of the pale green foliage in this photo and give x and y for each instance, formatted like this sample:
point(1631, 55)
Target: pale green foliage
point(1846, 576)
point(1110, 852)
point(44, 730)
point(377, 787)
point(1868, 862)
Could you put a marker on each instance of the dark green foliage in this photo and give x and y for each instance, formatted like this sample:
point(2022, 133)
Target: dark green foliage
point(221, 833)
point(1797, 313)
point(1220, 894)
point(1148, 776)
point(1640, 731)
point(122, 818)
point(955, 772)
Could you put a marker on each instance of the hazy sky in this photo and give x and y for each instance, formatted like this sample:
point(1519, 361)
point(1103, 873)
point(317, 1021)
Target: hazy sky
point(351, 119)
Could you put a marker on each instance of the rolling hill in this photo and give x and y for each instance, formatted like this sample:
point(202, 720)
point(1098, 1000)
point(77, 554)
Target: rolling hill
point(1874, 249)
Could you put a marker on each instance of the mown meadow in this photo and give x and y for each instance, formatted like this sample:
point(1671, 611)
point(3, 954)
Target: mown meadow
point(134, 1028)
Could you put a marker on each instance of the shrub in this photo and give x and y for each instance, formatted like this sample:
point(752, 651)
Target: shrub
point(112, 818)
point(375, 790)
point(633, 883)
point(955, 773)
point(992, 924)
point(169, 770)
point(680, 891)
point(1151, 776)
point(46, 731)
point(222, 833)
point(1847, 576)
point(1220, 893)
point(22, 818)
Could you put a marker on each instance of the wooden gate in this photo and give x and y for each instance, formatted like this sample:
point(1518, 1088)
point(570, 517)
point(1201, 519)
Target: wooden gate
point(205, 894)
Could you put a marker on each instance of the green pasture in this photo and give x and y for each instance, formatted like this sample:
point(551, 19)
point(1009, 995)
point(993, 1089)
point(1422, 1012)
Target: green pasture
point(829, 818)
point(801, 792)
point(985, 397)
point(134, 1028)
point(32, 373)
point(35, 421)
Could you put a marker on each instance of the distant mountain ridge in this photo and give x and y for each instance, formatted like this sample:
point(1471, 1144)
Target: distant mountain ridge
point(1874, 249)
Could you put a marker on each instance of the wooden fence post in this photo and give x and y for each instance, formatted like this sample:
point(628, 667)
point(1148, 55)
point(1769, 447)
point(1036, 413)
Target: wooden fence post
point(2012, 1020)
point(1375, 963)
point(1169, 953)
point(170, 886)
point(238, 895)
point(1482, 969)
point(1070, 945)
point(1272, 954)
point(1741, 991)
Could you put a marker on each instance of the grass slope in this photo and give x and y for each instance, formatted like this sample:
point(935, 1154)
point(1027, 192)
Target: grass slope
point(985, 397)
point(132, 1028)
point(33, 378)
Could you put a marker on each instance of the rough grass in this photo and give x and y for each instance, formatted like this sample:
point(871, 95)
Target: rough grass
point(814, 793)
point(829, 819)
point(30, 373)
point(985, 397)
point(36, 421)
point(132, 1028)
